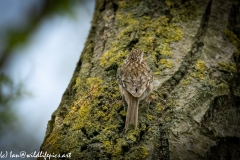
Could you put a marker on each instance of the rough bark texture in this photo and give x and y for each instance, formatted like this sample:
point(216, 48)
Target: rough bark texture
point(193, 50)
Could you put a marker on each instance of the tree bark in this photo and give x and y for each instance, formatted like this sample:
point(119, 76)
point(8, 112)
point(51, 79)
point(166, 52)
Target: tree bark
point(193, 49)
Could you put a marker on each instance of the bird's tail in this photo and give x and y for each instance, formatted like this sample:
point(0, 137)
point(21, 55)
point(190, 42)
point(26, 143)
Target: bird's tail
point(132, 111)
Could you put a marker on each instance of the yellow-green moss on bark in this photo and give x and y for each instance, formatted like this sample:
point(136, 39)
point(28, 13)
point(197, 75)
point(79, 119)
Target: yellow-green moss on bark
point(200, 67)
point(151, 35)
point(184, 12)
point(95, 116)
point(233, 38)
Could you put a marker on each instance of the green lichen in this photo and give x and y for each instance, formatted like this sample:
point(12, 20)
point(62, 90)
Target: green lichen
point(137, 153)
point(96, 114)
point(233, 38)
point(169, 3)
point(182, 11)
point(88, 91)
point(186, 81)
point(159, 107)
point(110, 57)
point(152, 36)
point(222, 88)
point(201, 68)
point(167, 119)
point(126, 4)
point(171, 102)
point(166, 63)
point(228, 67)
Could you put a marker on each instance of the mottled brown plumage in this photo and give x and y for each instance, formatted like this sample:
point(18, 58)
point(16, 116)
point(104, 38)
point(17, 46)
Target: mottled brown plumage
point(135, 83)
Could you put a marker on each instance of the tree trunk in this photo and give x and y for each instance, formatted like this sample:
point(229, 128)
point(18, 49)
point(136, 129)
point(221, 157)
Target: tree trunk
point(192, 48)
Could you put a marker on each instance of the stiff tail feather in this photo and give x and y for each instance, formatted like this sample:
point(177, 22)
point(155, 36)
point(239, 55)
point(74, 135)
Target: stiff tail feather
point(132, 112)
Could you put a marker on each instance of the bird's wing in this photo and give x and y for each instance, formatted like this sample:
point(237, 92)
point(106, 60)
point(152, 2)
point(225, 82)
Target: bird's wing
point(135, 78)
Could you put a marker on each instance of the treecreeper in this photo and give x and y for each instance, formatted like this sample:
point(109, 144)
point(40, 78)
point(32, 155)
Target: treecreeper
point(135, 80)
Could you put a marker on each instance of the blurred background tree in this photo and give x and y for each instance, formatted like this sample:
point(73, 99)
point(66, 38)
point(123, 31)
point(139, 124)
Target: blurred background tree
point(36, 37)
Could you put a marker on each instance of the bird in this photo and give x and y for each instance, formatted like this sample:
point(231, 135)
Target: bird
point(135, 79)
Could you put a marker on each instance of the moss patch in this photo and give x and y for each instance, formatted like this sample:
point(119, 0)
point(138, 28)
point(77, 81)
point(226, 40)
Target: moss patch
point(232, 38)
point(186, 81)
point(137, 153)
point(228, 67)
point(151, 35)
point(200, 68)
point(96, 117)
point(166, 63)
point(182, 10)
point(231, 67)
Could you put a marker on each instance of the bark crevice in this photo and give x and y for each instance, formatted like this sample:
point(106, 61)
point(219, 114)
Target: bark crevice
point(191, 57)
point(167, 87)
